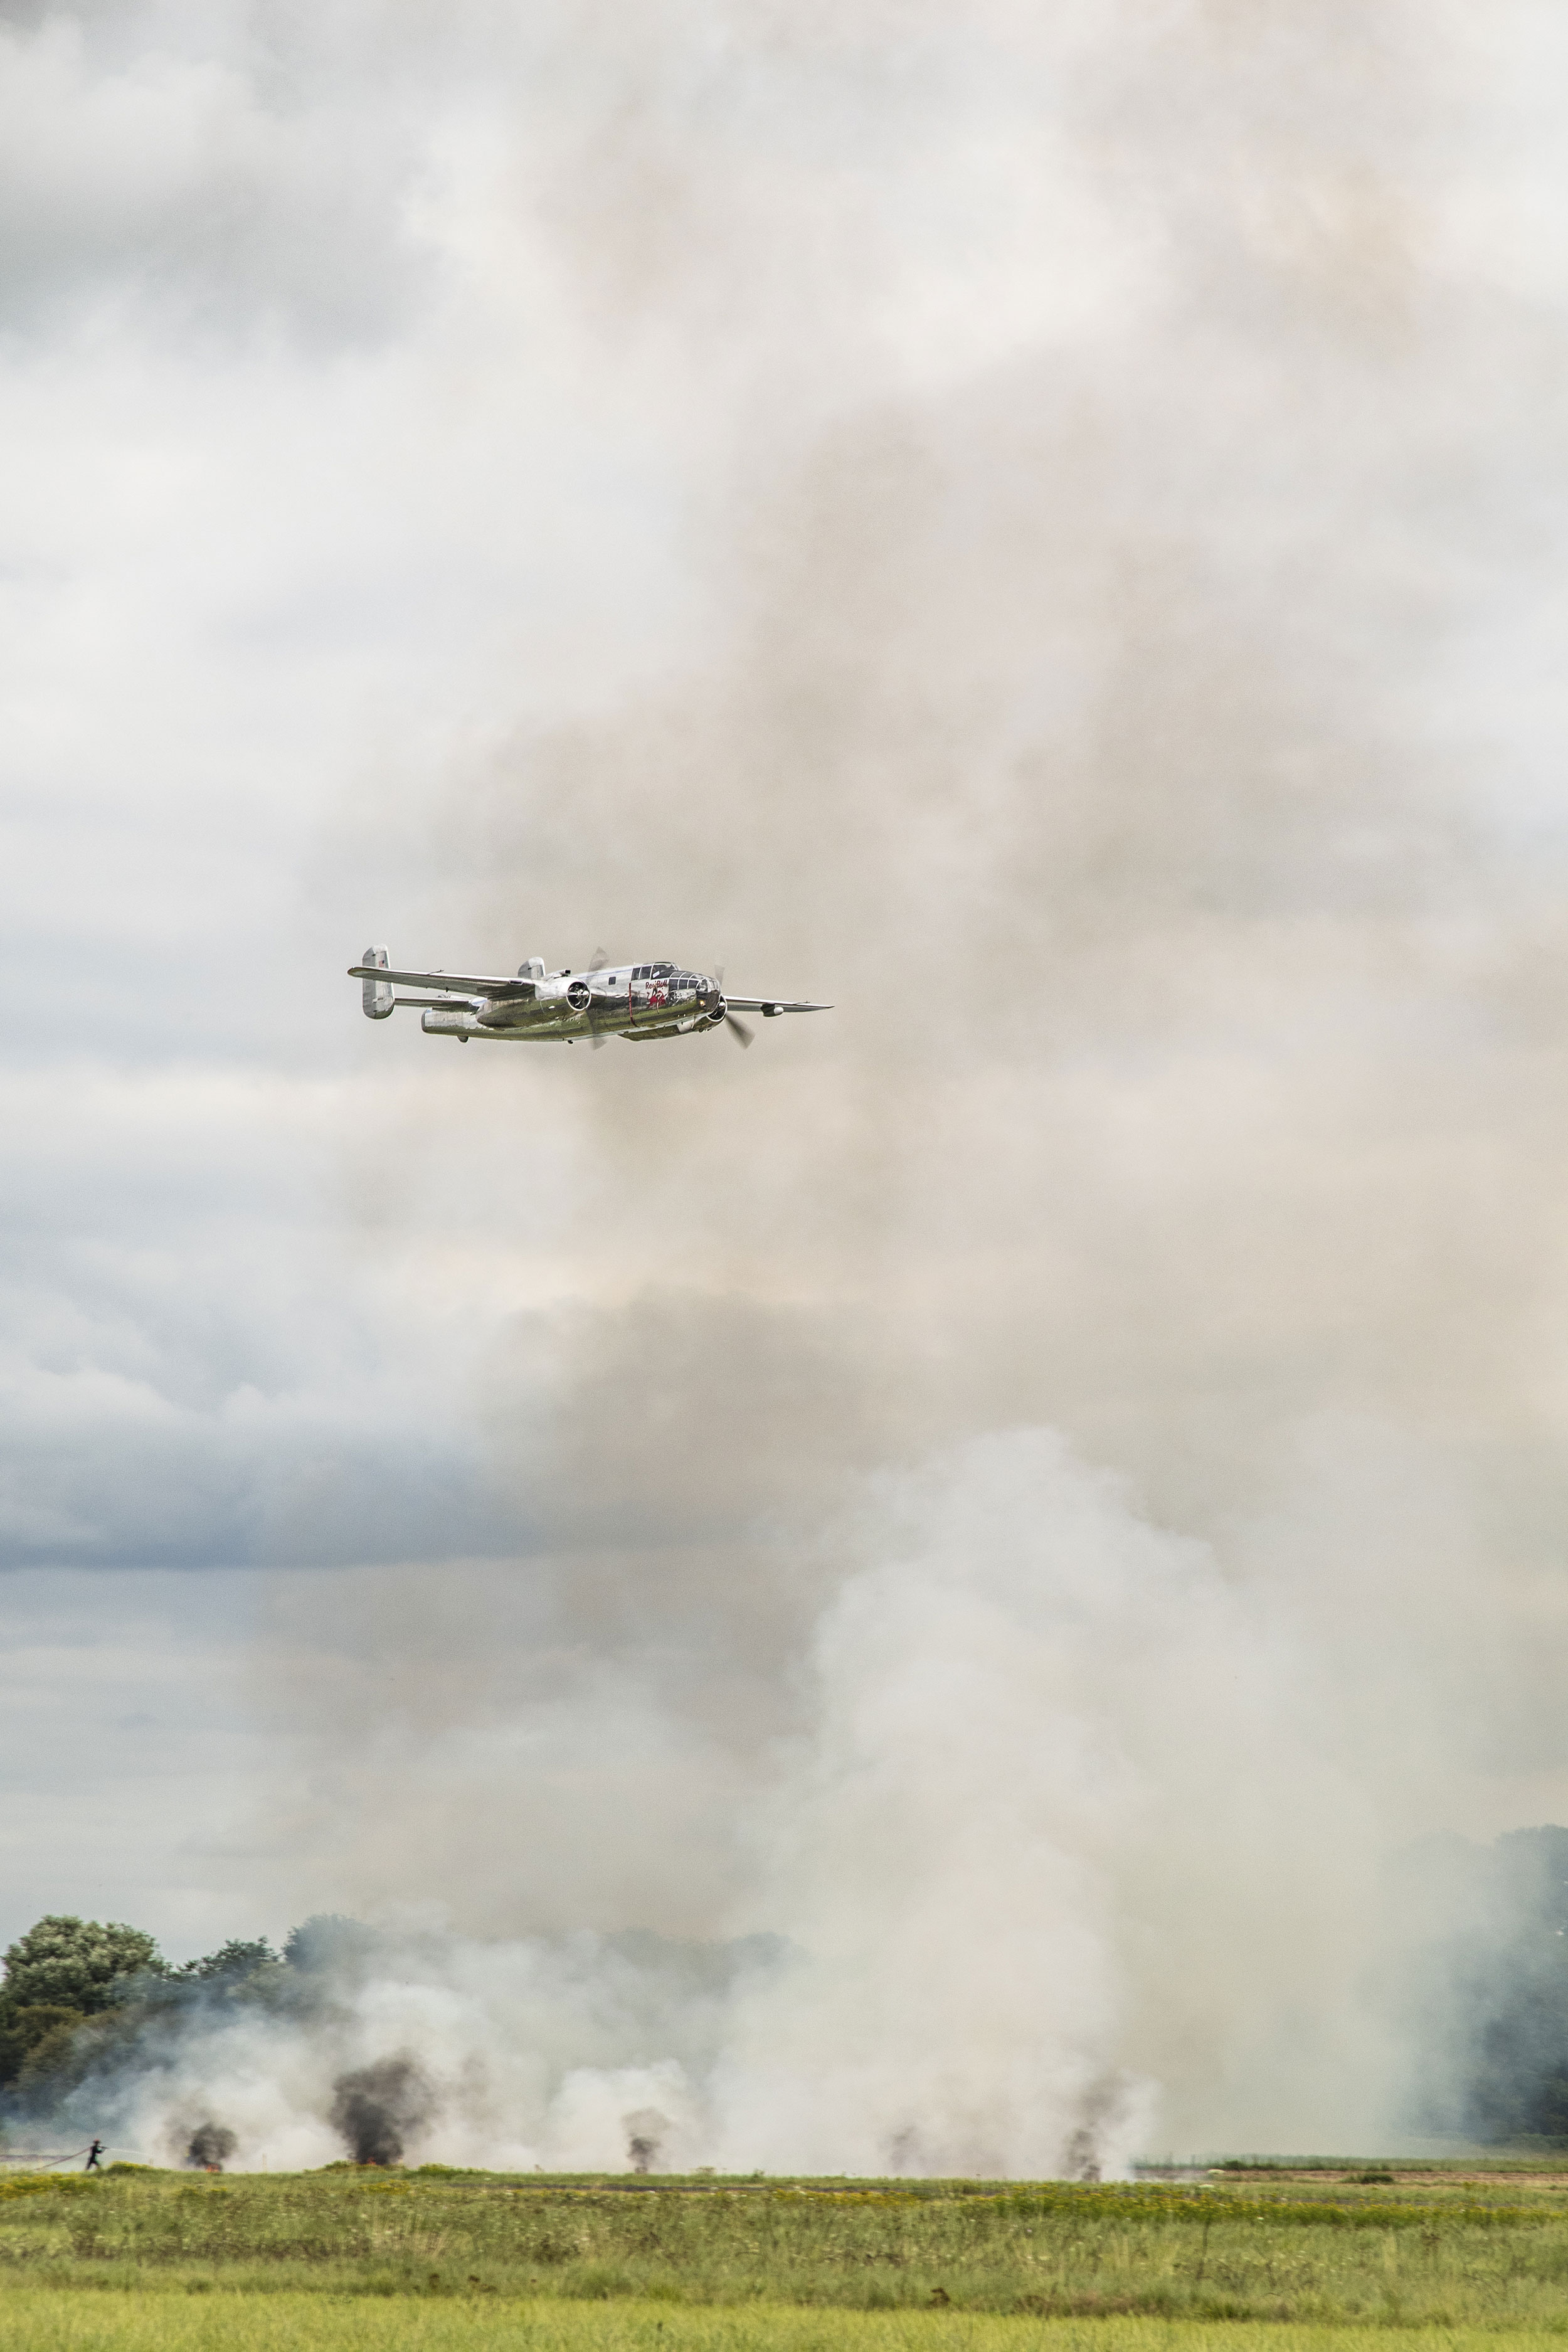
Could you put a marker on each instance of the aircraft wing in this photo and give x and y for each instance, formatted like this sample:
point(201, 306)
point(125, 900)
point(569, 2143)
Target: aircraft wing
point(462, 984)
point(770, 1004)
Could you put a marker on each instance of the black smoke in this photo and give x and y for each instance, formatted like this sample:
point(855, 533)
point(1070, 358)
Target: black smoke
point(375, 2105)
point(646, 2133)
point(210, 2148)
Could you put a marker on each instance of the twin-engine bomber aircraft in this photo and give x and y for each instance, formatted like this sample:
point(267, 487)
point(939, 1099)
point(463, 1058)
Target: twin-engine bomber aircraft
point(624, 1000)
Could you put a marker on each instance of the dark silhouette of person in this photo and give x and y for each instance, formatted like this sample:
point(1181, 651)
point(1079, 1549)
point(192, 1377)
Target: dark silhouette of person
point(94, 2152)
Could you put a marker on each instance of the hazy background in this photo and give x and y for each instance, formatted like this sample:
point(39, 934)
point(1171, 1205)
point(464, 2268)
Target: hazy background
point(1044, 528)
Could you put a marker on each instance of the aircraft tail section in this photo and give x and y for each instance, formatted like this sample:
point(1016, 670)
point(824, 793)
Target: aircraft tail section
point(377, 992)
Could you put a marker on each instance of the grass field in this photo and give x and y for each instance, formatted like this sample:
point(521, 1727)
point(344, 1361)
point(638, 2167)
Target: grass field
point(62, 2321)
point(1278, 2260)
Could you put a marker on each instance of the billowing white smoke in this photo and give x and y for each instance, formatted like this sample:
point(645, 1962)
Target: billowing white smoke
point(1021, 1855)
point(1028, 1854)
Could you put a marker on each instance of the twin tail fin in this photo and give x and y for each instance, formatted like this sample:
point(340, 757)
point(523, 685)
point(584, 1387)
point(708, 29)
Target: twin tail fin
point(377, 992)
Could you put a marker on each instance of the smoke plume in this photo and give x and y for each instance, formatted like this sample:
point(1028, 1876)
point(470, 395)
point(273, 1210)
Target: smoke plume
point(210, 2147)
point(375, 2105)
point(923, 1574)
point(645, 2131)
point(1038, 1480)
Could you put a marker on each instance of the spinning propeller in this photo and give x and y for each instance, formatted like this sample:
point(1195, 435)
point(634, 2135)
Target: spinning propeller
point(737, 1027)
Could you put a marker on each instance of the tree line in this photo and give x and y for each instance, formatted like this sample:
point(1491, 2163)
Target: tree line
point(1475, 1993)
point(77, 1996)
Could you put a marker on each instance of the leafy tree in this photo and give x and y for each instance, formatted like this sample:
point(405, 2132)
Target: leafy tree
point(56, 2059)
point(236, 1959)
point(328, 1941)
point(1489, 2000)
point(22, 2029)
point(77, 1964)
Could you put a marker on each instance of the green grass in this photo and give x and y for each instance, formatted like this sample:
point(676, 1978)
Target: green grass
point(440, 2249)
point(44, 2320)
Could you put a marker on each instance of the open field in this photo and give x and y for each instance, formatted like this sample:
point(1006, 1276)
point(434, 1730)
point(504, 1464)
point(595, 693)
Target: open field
point(1406, 2247)
point(62, 2321)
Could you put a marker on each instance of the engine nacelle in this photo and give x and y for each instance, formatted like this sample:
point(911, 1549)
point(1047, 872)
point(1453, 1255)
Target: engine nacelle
point(453, 1021)
point(579, 996)
point(376, 995)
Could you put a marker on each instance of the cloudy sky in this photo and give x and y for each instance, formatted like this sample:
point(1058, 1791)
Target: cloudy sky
point(1044, 528)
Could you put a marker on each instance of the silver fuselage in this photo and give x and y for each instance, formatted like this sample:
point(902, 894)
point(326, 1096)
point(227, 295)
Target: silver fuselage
point(635, 1001)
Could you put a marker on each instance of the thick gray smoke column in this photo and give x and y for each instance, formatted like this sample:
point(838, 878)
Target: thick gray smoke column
point(1060, 1762)
point(1108, 453)
point(1056, 1762)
